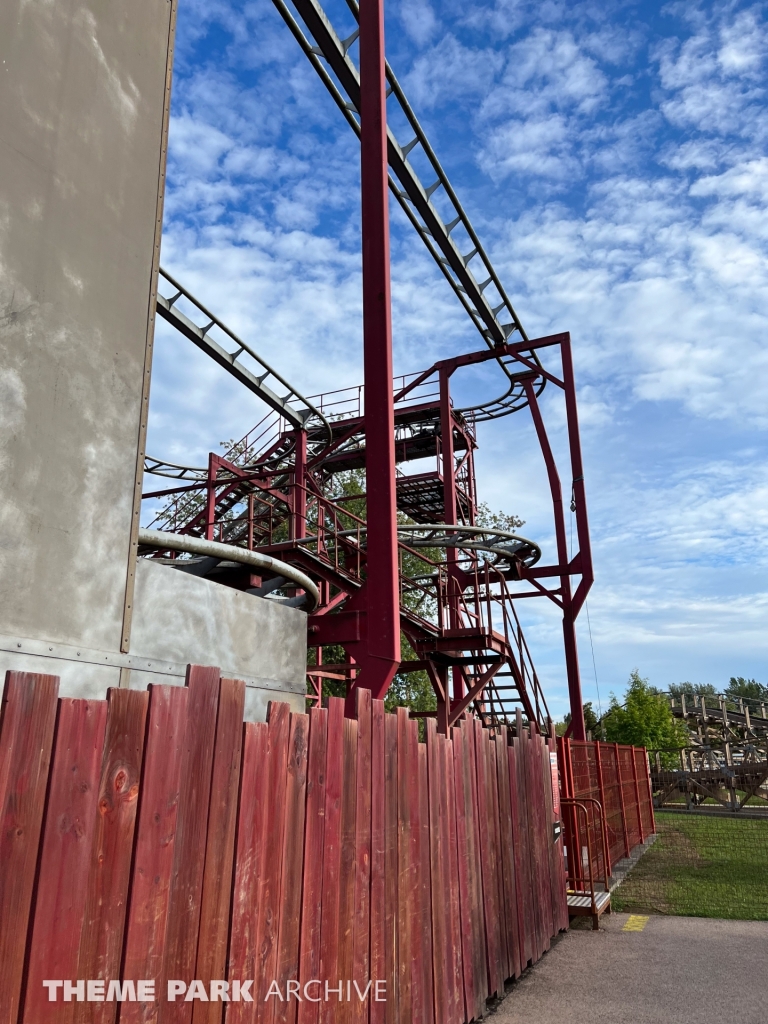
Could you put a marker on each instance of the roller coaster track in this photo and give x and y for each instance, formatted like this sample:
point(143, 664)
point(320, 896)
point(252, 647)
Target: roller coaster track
point(721, 716)
point(445, 235)
point(292, 406)
point(273, 491)
point(495, 319)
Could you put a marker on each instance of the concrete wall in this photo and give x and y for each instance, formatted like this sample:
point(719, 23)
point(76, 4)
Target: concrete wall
point(181, 619)
point(81, 126)
point(85, 91)
point(187, 619)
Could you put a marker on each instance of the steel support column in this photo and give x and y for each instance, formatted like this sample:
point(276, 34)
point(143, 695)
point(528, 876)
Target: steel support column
point(576, 729)
point(299, 496)
point(382, 656)
point(210, 496)
point(449, 514)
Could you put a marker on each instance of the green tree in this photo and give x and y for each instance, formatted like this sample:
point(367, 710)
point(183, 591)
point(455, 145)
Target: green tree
point(692, 689)
point(497, 520)
point(645, 720)
point(748, 689)
point(590, 720)
point(412, 690)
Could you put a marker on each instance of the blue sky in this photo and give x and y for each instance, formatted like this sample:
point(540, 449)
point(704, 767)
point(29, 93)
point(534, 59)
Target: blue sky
point(612, 159)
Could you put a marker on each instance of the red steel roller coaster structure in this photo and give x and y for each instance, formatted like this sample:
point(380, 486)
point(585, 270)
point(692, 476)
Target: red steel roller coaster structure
point(408, 556)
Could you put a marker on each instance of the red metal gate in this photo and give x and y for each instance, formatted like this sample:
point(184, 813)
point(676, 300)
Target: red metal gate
point(618, 778)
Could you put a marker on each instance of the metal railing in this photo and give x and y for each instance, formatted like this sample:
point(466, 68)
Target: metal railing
point(587, 862)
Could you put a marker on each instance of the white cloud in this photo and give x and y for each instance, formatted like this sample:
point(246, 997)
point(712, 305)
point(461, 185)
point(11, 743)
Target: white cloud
point(653, 254)
point(547, 70)
point(419, 21)
point(449, 71)
point(711, 78)
point(745, 179)
point(743, 44)
point(533, 147)
point(533, 119)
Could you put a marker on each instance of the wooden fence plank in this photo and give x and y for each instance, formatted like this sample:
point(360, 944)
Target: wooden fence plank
point(249, 863)
point(495, 824)
point(489, 891)
point(334, 782)
point(404, 866)
point(524, 781)
point(278, 722)
point(450, 864)
point(500, 813)
point(391, 869)
point(463, 873)
point(414, 894)
point(361, 971)
point(530, 828)
point(552, 846)
point(548, 818)
point(65, 855)
point(553, 814)
point(450, 868)
point(220, 845)
point(534, 842)
point(426, 883)
point(541, 834)
point(508, 853)
point(542, 852)
point(293, 864)
point(560, 848)
point(145, 932)
point(521, 874)
point(356, 851)
point(378, 917)
point(524, 837)
point(344, 1012)
point(189, 847)
point(101, 941)
point(437, 839)
point(314, 841)
point(26, 736)
point(480, 965)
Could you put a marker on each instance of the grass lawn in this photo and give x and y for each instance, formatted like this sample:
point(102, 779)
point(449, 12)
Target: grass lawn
point(701, 867)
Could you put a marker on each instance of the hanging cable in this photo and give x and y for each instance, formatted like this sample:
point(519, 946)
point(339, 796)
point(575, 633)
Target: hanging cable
point(594, 664)
point(589, 624)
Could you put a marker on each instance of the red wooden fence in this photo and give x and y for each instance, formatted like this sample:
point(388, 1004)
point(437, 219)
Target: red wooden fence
point(154, 836)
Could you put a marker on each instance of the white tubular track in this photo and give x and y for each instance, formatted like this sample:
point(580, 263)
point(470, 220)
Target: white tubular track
point(229, 553)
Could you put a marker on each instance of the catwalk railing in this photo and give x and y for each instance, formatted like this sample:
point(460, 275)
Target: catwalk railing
point(617, 777)
point(154, 837)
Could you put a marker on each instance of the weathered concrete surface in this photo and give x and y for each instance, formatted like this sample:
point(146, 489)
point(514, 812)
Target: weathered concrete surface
point(182, 618)
point(83, 93)
point(81, 157)
point(88, 681)
point(678, 970)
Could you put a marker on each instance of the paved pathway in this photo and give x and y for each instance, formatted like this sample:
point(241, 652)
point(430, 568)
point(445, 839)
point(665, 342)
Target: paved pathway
point(656, 970)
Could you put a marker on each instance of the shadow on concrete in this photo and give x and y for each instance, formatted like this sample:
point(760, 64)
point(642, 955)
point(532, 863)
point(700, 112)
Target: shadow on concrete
point(675, 970)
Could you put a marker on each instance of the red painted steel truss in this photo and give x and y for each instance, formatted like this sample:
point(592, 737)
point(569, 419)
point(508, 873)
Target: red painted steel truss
point(281, 491)
point(409, 557)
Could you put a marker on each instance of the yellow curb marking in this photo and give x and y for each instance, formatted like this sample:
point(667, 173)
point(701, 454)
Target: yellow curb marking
point(635, 923)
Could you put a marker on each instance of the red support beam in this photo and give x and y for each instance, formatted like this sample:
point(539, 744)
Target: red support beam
point(577, 471)
point(576, 729)
point(382, 656)
point(210, 500)
point(299, 497)
point(449, 512)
